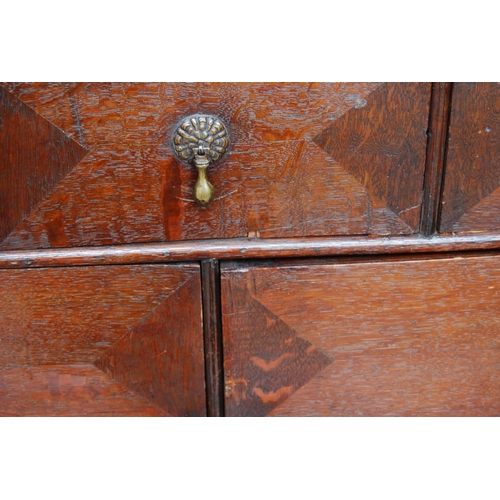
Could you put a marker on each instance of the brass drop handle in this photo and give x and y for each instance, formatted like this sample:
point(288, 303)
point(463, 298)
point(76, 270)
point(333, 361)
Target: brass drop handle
point(203, 191)
point(201, 140)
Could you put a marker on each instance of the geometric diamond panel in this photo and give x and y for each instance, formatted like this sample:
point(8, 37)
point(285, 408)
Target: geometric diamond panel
point(266, 361)
point(387, 159)
point(130, 189)
point(34, 157)
point(473, 159)
point(161, 358)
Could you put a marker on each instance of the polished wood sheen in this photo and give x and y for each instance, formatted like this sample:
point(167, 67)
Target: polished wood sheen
point(347, 265)
point(436, 152)
point(117, 340)
point(382, 338)
point(245, 248)
point(34, 157)
point(210, 276)
point(305, 160)
point(471, 197)
point(62, 391)
point(388, 160)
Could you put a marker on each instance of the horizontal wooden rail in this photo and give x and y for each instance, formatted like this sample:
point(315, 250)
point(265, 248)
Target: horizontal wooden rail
point(242, 248)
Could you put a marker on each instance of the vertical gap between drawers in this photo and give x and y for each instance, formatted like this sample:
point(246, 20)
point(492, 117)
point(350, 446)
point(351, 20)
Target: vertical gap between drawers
point(212, 337)
point(437, 142)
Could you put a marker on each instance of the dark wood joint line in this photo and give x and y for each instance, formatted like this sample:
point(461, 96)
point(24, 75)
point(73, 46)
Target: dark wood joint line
point(212, 337)
point(437, 134)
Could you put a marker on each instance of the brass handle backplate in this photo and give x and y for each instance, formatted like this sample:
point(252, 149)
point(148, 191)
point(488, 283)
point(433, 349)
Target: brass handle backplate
point(201, 140)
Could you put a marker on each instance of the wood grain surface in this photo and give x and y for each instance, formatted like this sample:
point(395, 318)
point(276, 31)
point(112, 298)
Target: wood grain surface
point(246, 248)
point(402, 337)
point(34, 157)
point(141, 325)
point(287, 174)
point(471, 197)
point(387, 160)
point(212, 330)
point(436, 153)
point(68, 391)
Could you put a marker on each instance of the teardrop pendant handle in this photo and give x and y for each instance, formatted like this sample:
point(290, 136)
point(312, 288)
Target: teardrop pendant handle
point(203, 191)
point(201, 141)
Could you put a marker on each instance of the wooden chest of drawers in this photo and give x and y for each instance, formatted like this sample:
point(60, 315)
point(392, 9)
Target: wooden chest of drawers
point(346, 266)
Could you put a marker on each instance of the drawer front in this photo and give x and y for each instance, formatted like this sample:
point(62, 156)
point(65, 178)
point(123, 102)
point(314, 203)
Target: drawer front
point(93, 164)
point(471, 196)
point(101, 341)
point(389, 337)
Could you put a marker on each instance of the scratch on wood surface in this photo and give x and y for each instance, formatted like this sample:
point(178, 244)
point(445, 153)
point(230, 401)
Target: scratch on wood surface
point(74, 111)
point(215, 199)
point(190, 200)
point(408, 209)
point(131, 192)
point(226, 195)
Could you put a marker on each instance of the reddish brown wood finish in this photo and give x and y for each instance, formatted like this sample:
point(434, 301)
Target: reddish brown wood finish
point(287, 174)
point(388, 160)
point(140, 325)
point(436, 152)
point(245, 249)
point(471, 197)
point(34, 157)
point(310, 167)
point(212, 329)
point(161, 358)
point(68, 391)
point(418, 337)
point(265, 361)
